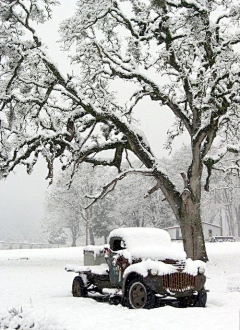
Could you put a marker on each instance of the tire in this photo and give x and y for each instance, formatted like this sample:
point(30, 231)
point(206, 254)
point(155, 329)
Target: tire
point(138, 295)
point(78, 287)
point(201, 299)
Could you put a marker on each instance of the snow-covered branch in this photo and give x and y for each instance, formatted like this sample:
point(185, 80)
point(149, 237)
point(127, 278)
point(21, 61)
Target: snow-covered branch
point(107, 188)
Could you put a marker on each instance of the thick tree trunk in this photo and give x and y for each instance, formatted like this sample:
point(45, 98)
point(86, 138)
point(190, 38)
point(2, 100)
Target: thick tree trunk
point(192, 231)
point(186, 208)
point(190, 213)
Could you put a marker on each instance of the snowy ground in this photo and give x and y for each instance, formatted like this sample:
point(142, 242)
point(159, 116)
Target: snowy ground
point(40, 285)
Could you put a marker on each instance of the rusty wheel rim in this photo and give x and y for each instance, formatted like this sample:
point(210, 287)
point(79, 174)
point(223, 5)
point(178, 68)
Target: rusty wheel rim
point(138, 295)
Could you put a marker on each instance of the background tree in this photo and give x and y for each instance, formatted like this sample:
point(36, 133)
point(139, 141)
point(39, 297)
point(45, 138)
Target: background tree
point(103, 218)
point(57, 236)
point(222, 204)
point(63, 209)
point(179, 54)
point(126, 206)
point(65, 203)
point(132, 208)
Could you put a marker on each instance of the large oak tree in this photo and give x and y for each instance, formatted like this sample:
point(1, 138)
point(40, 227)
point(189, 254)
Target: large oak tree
point(181, 54)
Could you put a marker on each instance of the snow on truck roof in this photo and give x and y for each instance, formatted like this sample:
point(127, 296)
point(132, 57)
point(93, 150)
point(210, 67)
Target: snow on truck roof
point(136, 236)
point(145, 242)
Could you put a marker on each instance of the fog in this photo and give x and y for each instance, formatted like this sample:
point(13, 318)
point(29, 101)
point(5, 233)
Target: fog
point(21, 203)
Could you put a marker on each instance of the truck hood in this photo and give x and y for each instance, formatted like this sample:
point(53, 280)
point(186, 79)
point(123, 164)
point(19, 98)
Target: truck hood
point(153, 253)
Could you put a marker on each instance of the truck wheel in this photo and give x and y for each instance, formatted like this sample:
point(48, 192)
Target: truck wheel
point(201, 299)
point(78, 287)
point(139, 295)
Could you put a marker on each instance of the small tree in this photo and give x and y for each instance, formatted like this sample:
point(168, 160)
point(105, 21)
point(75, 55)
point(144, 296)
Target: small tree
point(102, 219)
point(57, 236)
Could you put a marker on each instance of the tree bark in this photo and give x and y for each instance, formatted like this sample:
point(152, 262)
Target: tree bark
point(190, 213)
point(192, 231)
point(74, 240)
point(189, 217)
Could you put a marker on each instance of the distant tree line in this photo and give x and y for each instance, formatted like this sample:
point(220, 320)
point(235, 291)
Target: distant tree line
point(125, 206)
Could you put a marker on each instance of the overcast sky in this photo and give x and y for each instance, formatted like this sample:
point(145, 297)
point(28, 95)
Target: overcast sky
point(21, 202)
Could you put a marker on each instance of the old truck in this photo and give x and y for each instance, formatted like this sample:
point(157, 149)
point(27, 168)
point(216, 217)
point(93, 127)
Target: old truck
point(138, 268)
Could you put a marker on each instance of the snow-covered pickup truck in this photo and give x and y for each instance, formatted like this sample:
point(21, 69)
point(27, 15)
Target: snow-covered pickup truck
point(142, 267)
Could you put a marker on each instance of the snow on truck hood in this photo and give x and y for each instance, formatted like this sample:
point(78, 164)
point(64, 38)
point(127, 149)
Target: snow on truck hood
point(145, 243)
point(153, 253)
point(142, 268)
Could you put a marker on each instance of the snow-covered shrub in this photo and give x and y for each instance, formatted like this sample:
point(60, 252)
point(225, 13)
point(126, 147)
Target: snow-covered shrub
point(17, 319)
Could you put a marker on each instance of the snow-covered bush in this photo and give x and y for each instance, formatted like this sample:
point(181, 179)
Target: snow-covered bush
point(17, 319)
point(57, 236)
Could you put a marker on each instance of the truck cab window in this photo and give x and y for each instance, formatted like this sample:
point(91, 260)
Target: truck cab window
point(118, 244)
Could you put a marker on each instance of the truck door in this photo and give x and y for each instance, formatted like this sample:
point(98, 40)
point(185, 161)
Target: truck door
point(115, 267)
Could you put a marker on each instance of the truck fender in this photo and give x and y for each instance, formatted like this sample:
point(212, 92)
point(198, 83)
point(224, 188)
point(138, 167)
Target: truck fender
point(84, 278)
point(153, 282)
point(127, 280)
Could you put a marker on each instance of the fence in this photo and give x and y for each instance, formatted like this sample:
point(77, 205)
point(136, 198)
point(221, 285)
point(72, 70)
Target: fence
point(24, 245)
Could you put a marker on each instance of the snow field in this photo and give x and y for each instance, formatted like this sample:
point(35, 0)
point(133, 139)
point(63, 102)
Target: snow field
point(42, 288)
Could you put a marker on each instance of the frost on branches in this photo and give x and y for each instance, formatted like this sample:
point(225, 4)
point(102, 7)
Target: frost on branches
point(182, 54)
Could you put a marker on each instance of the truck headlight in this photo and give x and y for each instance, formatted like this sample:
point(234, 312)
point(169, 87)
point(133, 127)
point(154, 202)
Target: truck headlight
point(201, 270)
point(154, 272)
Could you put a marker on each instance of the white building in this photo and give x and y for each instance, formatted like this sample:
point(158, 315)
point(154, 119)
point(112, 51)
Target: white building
point(209, 230)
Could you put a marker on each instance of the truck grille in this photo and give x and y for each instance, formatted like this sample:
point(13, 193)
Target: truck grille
point(178, 282)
